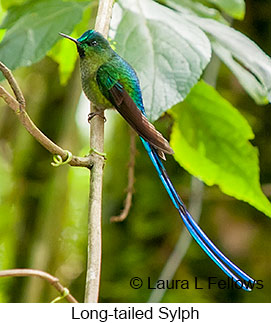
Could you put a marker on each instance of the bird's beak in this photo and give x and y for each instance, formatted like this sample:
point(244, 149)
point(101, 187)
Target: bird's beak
point(69, 37)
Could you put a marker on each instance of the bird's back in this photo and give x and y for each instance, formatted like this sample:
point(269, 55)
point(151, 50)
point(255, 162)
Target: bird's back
point(128, 78)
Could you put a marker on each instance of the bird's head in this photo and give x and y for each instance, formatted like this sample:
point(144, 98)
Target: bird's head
point(91, 45)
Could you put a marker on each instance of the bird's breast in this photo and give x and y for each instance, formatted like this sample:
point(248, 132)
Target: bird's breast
point(90, 86)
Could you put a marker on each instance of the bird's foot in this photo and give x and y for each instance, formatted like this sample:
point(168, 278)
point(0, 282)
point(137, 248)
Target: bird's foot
point(58, 160)
point(96, 113)
point(93, 150)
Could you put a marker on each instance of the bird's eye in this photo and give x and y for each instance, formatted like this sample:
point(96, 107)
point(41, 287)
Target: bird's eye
point(92, 43)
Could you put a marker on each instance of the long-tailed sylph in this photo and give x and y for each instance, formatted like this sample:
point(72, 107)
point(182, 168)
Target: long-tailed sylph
point(110, 82)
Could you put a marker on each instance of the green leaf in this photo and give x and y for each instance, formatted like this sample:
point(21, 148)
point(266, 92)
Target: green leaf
point(234, 8)
point(249, 82)
point(195, 8)
point(243, 50)
point(33, 29)
point(168, 53)
point(211, 141)
point(15, 10)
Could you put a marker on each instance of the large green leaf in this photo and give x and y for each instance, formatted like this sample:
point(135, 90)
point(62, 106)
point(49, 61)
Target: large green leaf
point(234, 8)
point(32, 29)
point(244, 51)
point(168, 53)
point(211, 141)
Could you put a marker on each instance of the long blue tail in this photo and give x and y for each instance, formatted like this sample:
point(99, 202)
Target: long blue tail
point(235, 273)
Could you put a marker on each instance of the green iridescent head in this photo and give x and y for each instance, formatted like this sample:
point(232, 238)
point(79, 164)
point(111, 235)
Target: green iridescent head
point(91, 44)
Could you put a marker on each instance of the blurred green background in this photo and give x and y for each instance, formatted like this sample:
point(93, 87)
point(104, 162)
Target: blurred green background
point(43, 210)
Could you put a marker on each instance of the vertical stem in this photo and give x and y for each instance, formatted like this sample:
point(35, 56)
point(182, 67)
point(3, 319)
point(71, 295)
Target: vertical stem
point(96, 180)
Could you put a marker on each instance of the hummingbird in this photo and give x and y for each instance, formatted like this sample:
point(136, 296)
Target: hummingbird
point(110, 82)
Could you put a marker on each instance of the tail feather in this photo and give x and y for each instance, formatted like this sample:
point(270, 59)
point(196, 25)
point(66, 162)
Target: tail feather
point(201, 238)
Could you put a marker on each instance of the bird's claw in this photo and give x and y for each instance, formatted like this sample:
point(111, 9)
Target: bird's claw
point(96, 113)
point(58, 161)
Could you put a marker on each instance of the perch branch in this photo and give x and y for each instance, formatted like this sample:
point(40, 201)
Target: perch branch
point(96, 180)
point(131, 181)
point(22, 272)
point(18, 106)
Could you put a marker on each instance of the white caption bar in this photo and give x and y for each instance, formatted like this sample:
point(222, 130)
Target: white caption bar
point(163, 312)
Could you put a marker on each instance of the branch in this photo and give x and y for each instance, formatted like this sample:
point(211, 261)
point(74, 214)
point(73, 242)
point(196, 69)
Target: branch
point(96, 180)
point(43, 275)
point(18, 106)
point(131, 181)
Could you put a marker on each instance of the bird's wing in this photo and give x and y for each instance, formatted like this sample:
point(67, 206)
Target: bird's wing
point(111, 87)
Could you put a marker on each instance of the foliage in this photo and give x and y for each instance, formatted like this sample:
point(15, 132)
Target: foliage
point(248, 62)
point(32, 29)
point(150, 37)
point(211, 140)
point(143, 29)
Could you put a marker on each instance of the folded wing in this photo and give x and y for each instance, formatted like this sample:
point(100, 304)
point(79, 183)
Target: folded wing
point(115, 92)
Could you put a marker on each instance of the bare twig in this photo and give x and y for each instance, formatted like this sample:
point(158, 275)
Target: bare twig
point(18, 106)
point(131, 180)
point(23, 272)
point(96, 180)
point(13, 84)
